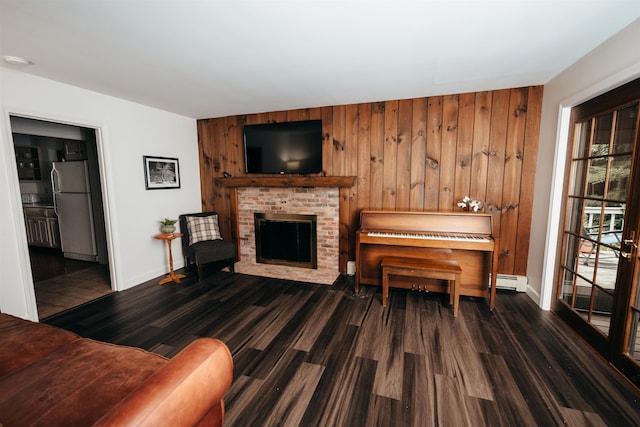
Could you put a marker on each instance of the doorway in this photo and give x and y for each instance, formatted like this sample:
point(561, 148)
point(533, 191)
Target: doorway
point(597, 290)
point(67, 251)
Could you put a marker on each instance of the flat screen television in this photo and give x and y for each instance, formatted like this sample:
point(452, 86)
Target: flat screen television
point(283, 148)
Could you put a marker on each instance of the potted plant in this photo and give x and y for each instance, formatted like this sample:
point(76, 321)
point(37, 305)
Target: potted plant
point(167, 225)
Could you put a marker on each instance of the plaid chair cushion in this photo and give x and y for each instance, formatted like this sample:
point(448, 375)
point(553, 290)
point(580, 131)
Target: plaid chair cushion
point(203, 228)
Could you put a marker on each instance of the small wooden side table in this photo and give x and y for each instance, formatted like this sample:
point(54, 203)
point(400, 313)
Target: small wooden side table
point(172, 277)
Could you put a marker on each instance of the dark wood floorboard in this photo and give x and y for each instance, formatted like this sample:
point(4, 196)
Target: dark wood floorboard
point(47, 263)
point(317, 355)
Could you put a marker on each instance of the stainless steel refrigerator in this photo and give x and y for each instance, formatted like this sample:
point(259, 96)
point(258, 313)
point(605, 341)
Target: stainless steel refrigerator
point(72, 202)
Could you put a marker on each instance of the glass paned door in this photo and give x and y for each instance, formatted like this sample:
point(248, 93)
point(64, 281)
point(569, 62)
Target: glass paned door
point(596, 210)
point(633, 341)
point(597, 291)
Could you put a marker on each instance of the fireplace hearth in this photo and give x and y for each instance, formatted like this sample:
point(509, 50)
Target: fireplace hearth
point(286, 239)
point(323, 202)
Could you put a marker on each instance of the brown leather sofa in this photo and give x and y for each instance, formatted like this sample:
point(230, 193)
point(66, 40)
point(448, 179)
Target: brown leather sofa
point(50, 377)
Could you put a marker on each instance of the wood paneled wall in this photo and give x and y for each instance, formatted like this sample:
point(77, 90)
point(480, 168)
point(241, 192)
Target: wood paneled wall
point(414, 154)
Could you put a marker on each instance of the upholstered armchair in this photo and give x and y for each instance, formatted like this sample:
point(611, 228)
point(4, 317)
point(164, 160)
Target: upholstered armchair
point(202, 242)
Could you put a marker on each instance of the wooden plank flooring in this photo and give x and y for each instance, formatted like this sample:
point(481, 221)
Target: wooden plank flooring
point(317, 355)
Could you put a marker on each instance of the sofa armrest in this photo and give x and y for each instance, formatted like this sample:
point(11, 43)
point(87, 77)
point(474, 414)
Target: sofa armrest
point(183, 392)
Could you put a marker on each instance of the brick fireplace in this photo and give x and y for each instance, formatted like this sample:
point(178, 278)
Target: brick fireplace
point(323, 202)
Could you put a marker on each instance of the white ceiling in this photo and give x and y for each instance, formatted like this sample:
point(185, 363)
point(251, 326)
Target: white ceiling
point(212, 58)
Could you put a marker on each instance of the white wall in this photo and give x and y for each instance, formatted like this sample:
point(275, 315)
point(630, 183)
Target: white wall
point(127, 131)
point(615, 62)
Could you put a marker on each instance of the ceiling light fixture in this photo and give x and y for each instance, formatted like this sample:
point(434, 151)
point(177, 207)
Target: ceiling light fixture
point(16, 60)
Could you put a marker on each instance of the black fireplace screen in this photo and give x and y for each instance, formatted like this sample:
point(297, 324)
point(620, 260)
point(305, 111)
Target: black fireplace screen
point(286, 239)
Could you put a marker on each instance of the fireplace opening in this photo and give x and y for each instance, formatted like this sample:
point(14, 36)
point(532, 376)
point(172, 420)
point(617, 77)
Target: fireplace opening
point(286, 239)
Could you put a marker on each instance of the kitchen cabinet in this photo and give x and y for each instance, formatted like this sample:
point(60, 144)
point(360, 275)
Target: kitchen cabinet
point(28, 163)
point(42, 227)
point(75, 150)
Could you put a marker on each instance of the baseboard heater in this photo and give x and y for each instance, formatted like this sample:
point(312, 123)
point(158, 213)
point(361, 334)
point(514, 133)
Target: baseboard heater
point(511, 282)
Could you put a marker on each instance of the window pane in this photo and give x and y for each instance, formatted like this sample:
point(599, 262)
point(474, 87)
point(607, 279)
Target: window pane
point(611, 234)
point(602, 135)
point(583, 297)
point(567, 287)
point(597, 175)
point(585, 267)
point(619, 178)
point(583, 133)
point(579, 177)
point(602, 307)
point(625, 129)
point(613, 217)
point(607, 267)
point(573, 251)
point(634, 339)
point(575, 215)
point(592, 215)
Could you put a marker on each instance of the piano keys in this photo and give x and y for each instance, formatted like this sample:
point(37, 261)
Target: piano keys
point(464, 237)
point(430, 236)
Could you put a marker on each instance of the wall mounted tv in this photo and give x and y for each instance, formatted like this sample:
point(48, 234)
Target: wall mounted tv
point(283, 148)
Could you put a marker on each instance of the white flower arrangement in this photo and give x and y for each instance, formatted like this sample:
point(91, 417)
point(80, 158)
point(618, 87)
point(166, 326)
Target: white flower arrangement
point(469, 204)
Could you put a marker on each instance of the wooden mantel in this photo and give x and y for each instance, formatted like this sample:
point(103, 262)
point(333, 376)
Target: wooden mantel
point(287, 181)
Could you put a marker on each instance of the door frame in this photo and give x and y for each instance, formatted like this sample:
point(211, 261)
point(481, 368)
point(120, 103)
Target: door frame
point(107, 196)
point(610, 346)
point(553, 235)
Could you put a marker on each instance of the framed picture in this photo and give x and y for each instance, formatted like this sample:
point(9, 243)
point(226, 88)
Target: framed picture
point(161, 172)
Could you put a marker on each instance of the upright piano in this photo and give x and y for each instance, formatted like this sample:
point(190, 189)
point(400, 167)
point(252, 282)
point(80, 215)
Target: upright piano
point(464, 237)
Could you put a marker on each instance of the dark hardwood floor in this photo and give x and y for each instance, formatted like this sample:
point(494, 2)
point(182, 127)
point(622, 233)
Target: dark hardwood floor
point(317, 355)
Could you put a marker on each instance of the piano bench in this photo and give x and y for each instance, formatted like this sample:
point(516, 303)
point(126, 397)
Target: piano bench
point(423, 268)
